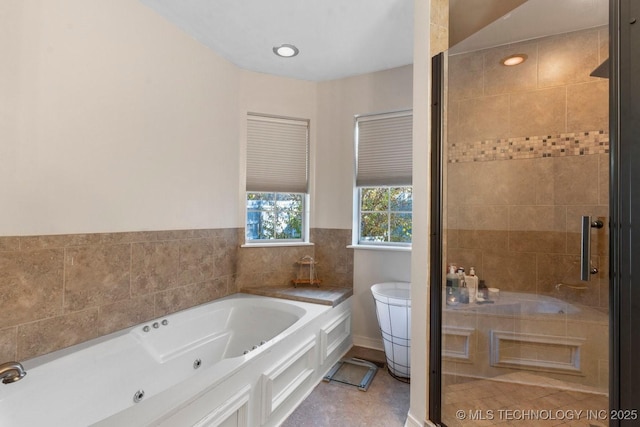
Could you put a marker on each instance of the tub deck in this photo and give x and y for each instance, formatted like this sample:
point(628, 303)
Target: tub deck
point(322, 295)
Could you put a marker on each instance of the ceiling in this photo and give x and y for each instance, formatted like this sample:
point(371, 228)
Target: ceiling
point(462, 24)
point(336, 38)
point(535, 19)
point(341, 38)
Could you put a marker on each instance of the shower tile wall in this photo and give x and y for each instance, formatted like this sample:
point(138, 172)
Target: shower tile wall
point(439, 26)
point(528, 156)
point(61, 290)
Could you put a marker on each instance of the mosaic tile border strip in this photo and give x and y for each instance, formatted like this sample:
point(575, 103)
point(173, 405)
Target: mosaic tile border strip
point(529, 147)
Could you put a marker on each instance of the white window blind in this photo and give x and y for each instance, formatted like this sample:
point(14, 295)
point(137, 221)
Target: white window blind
point(384, 148)
point(277, 154)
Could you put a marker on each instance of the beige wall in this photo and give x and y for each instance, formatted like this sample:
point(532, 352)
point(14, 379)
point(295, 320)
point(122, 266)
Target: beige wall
point(338, 104)
point(113, 121)
point(527, 157)
point(125, 130)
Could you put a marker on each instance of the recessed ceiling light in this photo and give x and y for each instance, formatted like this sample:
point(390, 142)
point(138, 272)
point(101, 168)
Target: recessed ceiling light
point(285, 50)
point(515, 59)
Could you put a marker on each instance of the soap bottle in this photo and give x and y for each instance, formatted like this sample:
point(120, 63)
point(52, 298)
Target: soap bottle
point(472, 284)
point(453, 283)
point(464, 294)
point(464, 290)
point(461, 275)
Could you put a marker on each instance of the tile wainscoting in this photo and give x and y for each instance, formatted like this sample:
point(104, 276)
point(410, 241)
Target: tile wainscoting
point(60, 290)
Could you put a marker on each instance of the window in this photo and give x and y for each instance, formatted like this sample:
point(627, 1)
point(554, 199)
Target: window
point(276, 216)
point(277, 175)
point(385, 214)
point(383, 179)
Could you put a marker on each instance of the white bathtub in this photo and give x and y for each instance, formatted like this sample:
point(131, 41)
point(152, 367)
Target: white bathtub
point(244, 358)
point(524, 332)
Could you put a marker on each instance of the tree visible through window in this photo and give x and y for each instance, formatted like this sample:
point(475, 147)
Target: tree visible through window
point(274, 216)
point(385, 214)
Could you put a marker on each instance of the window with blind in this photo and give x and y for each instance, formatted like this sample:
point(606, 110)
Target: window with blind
point(383, 189)
point(277, 178)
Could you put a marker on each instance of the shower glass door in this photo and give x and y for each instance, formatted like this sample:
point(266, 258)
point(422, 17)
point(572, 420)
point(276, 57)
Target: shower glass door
point(525, 157)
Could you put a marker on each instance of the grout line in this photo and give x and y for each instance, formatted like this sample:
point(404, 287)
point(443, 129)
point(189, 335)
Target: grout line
point(64, 277)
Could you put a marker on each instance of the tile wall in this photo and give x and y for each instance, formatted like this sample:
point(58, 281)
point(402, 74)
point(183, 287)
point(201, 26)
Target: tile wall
point(56, 291)
point(527, 156)
point(260, 266)
point(439, 26)
point(335, 260)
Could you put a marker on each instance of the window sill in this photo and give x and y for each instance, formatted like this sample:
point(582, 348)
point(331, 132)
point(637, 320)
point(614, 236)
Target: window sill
point(381, 248)
point(276, 245)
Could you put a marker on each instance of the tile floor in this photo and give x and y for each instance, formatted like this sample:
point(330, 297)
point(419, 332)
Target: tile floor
point(384, 404)
point(513, 400)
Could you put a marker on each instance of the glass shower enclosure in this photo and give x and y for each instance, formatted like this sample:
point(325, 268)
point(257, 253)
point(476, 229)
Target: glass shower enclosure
point(523, 209)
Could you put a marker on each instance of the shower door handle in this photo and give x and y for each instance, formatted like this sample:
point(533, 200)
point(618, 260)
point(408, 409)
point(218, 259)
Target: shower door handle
point(585, 248)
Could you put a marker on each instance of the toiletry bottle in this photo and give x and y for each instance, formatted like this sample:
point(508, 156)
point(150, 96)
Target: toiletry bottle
point(464, 290)
point(464, 293)
point(483, 291)
point(453, 280)
point(452, 286)
point(472, 284)
point(461, 275)
point(452, 277)
point(451, 298)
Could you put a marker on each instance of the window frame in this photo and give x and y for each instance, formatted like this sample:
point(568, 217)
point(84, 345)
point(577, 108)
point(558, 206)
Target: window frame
point(304, 239)
point(357, 240)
